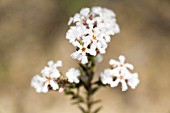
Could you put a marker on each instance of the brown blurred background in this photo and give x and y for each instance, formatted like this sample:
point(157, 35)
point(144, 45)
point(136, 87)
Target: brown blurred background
point(33, 32)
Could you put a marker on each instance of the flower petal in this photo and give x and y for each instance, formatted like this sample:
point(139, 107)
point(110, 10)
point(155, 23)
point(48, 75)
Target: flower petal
point(113, 62)
point(133, 81)
point(45, 87)
point(130, 66)
point(59, 63)
point(54, 84)
point(115, 83)
point(124, 85)
point(122, 59)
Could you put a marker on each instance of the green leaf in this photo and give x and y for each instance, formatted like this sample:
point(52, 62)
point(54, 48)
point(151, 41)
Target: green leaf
point(94, 90)
point(78, 101)
point(78, 97)
point(72, 86)
point(74, 97)
point(82, 109)
point(69, 93)
point(95, 102)
point(98, 109)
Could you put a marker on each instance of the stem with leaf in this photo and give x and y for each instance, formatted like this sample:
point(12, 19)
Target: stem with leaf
point(86, 80)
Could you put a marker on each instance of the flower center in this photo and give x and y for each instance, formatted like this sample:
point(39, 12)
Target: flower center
point(83, 49)
point(121, 65)
point(121, 77)
point(48, 79)
point(94, 37)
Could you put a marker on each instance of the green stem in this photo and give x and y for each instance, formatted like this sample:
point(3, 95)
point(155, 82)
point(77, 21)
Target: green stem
point(90, 74)
point(87, 81)
point(89, 96)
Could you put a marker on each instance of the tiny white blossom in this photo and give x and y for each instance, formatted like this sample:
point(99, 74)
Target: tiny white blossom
point(85, 11)
point(37, 83)
point(81, 53)
point(75, 33)
point(50, 74)
point(51, 70)
point(121, 63)
point(106, 76)
point(133, 81)
point(121, 77)
point(73, 75)
point(119, 73)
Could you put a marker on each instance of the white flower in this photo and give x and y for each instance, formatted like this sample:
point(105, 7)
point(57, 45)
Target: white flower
point(73, 75)
point(101, 48)
point(97, 40)
point(121, 76)
point(50, 74)
point(51, 70)
point(37, 83)
point(50, 81)
point(121, 63)
point(119, 73)
point(133, 81)
point(75, 33)
point(85, 11)
point(106, 76)
point(81, 53)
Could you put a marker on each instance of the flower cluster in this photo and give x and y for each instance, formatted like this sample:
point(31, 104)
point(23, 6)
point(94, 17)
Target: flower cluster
point(119, 73)
point(91, 32)
point(49, 77)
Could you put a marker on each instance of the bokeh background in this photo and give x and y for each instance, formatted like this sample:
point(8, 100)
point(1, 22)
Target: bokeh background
point(33, 32)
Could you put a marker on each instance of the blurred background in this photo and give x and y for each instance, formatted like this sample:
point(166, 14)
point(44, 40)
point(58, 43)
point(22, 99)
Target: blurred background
point(33, 32)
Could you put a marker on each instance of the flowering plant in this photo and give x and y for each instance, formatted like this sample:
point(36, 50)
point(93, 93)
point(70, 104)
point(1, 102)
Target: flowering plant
point(90, 33)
